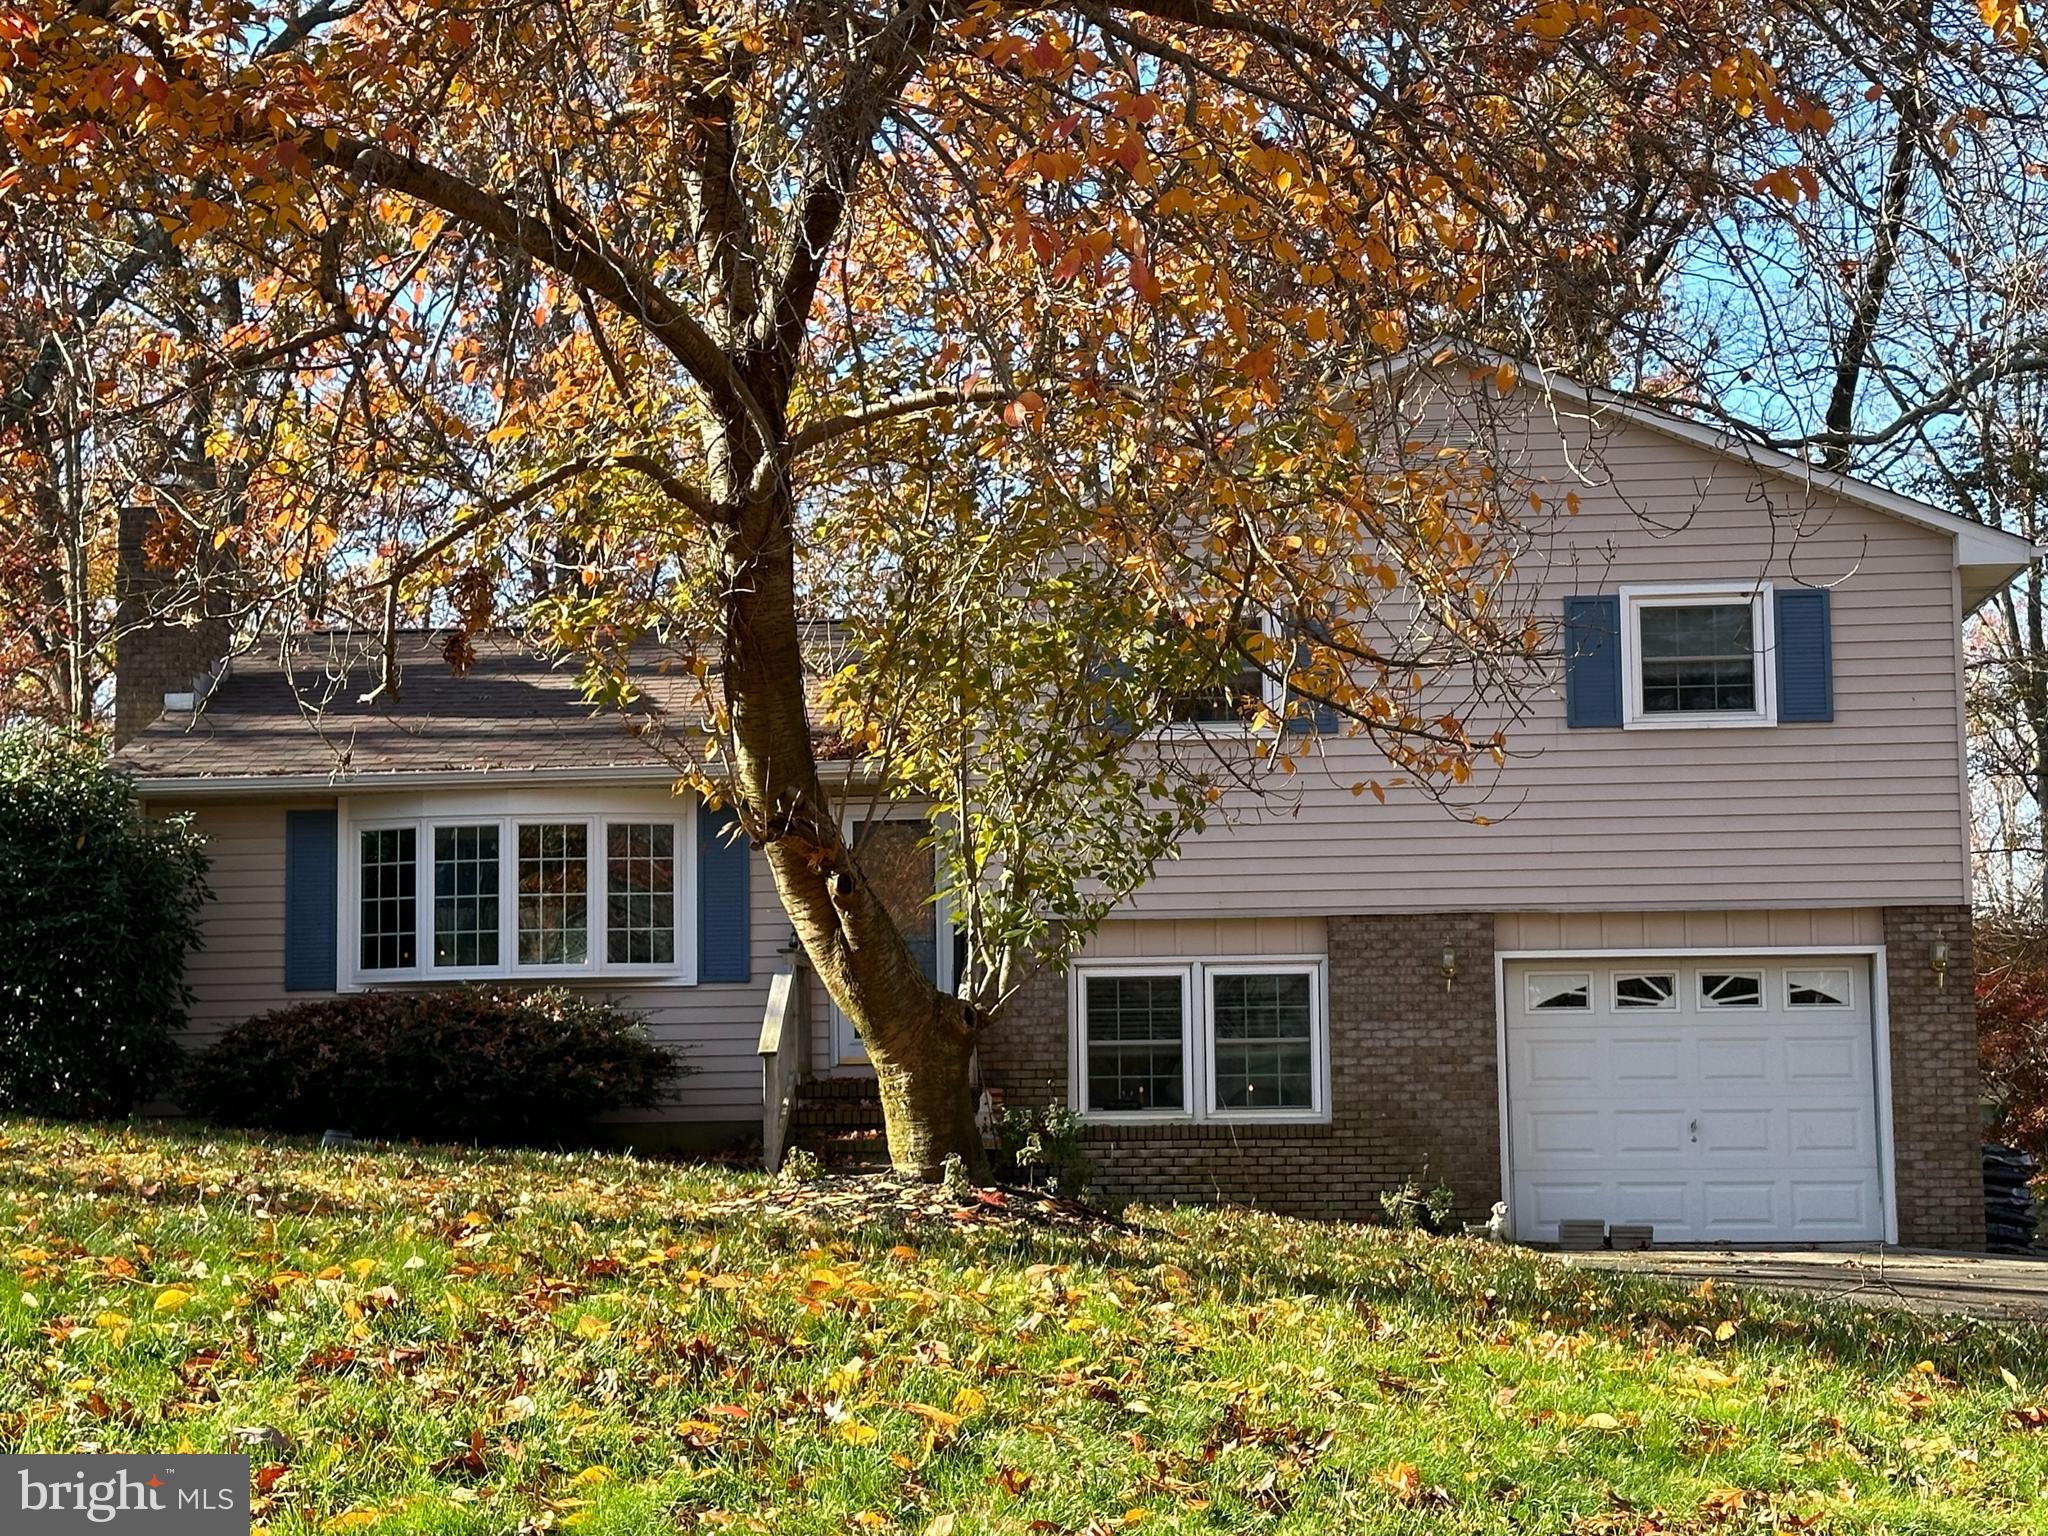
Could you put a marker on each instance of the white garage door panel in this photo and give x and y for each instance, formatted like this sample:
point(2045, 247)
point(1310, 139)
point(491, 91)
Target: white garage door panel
point(1714, 1124)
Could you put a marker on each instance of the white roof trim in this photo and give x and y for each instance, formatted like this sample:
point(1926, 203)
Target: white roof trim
point(1975, 544)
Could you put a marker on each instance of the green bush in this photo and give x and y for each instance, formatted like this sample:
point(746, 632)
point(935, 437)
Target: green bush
point(476, 1064)
point(97, 910)
point(1042, 1148)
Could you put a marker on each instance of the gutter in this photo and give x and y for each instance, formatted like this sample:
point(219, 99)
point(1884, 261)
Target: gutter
point(215, 786)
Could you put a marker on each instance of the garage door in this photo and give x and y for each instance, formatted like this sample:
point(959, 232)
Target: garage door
point(1726, 1100)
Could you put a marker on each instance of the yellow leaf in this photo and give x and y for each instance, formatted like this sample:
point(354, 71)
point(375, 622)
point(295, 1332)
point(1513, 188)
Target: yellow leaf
point(936, 1416)
point(941, 1525)
point(1702, 1378)
point(853, 1432)
point(352, 1520)
point(1402, 1479)
point(590, 1476)
point(1724, 1333)
point(967, 1402)
point(1606, 1423)
point(1504, 377)
point(591, 1326)
point(171, 1299)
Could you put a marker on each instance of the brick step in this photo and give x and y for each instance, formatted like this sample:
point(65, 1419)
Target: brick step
point(836, 1117)
point(846, 1150)
point(837, 1104)
point(840, 1088)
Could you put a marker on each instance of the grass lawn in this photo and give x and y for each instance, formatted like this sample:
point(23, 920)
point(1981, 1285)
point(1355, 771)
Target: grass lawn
point(453, 1342)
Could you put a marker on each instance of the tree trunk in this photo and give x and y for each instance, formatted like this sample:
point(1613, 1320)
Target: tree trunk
point(919, 1039)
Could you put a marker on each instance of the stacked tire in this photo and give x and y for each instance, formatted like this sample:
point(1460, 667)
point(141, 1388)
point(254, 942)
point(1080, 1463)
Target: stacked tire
point(2010, 1216)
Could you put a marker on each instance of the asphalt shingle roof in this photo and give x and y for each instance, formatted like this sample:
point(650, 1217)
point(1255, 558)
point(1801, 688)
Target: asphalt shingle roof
point(509, 712)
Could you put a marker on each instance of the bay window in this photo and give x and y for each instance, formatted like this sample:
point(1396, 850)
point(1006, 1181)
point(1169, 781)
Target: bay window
point(554, 893)
point(640, 893)
point(390, 899)
point(465, 896)
point(459, 896)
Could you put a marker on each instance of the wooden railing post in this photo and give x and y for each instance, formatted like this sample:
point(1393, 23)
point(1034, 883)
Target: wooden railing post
point(785, 1030)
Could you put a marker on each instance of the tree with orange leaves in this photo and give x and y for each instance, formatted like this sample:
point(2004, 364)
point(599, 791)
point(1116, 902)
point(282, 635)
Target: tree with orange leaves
point(1043, 343)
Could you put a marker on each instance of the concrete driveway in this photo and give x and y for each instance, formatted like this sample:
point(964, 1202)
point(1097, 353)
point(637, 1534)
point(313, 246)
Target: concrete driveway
point(1993, 1288)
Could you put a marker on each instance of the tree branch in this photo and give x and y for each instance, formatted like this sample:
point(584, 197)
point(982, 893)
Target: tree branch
point(824, 431)
point(842, 141)
point(488, 511)
point(580, 257)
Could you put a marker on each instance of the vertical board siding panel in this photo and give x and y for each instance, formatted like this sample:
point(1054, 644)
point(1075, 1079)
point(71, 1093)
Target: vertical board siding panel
point(1750, 928)
point(1661, 928)
point(1653, 931)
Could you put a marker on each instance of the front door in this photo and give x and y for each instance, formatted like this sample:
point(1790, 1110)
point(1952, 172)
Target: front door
point(902, 874)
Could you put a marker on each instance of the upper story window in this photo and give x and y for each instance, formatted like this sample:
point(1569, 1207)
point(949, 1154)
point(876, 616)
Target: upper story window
point(1240, 688)
point(1696, 656)
point(548, 896)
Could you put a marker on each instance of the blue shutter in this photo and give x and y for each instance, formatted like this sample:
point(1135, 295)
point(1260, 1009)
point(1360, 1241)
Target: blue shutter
point(1112, 721)
point(1322, 719)
point(724, 867)
point(309, 901)
point(1806, 656)
point(1592, 661)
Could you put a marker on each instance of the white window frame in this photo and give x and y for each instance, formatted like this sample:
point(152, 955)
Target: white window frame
point(1708, 1004)
point(1763, 640)
point(424, 940)
point(1583, 982)
point(1272, 694)
point(1198, 1090)
point(1615, 979)
point(509, 812)
point(685, 858)
point(1847, 973)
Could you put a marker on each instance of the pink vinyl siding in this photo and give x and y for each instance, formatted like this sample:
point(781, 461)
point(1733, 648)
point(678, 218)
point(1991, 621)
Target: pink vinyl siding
point(1862, 810)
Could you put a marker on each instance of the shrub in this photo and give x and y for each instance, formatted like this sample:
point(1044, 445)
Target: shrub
point(1042, 1148)
point(1409, 1205)
point(98, 907)
point(478, 1064)
point(2012, 1030)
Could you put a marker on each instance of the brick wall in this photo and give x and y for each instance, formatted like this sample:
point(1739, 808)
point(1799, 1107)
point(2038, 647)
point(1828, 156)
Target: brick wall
point(1937, 1126)
point(1413, 1085)
point(153, 658)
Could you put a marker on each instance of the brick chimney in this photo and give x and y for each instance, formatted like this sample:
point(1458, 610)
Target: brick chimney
point(165, 646)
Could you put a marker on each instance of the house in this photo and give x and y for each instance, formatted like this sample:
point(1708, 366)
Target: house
point(1708, 968)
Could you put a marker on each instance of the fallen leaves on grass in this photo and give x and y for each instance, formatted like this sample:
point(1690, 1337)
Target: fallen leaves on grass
point(489, 1343)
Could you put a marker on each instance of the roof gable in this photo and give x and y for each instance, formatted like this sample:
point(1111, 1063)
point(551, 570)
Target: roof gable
point(1986, 557)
